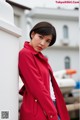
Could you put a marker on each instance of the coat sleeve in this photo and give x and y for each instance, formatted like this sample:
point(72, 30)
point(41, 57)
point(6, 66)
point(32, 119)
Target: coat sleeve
point(32, 81)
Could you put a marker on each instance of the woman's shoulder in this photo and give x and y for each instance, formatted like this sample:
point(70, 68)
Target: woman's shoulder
point(25, 51)
point(25, 55)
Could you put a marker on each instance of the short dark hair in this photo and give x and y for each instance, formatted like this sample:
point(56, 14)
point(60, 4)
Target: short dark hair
point(45, 28)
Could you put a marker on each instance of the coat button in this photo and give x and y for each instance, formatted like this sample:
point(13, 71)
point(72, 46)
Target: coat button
point(35, 100)
point(51, 116)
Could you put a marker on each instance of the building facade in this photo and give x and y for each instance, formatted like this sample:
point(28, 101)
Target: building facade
point(64, 53)
point(20, 18)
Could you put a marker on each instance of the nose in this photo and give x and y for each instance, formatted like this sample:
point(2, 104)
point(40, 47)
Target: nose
point(43, 42)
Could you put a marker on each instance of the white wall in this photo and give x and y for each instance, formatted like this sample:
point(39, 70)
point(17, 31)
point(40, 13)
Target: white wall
point(9, 49)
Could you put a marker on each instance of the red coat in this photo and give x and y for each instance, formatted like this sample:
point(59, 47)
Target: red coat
point(37, 103)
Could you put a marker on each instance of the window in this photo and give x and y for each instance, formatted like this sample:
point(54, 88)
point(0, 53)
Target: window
point(65, 31)
point(67, 62)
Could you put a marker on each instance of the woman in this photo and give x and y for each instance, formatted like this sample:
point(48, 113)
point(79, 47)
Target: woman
point(36, 75)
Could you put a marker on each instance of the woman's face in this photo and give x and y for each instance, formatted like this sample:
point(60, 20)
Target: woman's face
point(40, 42)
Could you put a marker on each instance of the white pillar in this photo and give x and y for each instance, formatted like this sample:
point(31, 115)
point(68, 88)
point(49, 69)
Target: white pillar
point(9, 48)
point(79, 34)
point(79, 15)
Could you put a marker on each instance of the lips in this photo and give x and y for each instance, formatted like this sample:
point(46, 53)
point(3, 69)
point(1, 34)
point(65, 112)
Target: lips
point(39, 48)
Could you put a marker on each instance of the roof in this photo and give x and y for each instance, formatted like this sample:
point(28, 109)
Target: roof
point(53, 13)
point(18, 5)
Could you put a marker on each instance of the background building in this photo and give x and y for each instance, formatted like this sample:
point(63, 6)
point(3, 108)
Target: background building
point(20, 18)
point(65, 52)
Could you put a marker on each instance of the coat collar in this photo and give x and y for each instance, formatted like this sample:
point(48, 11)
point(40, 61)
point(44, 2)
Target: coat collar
point(28, 46)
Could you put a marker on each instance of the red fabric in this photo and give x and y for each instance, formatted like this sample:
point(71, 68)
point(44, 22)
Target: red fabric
point(37, 103)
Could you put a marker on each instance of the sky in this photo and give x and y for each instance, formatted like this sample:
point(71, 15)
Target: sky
point(68, 4)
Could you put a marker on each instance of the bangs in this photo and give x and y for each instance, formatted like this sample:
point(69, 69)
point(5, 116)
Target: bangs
point(44, 31)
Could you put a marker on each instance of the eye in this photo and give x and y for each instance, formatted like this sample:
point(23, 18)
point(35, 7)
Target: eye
point(48, 41)
point(40, 36)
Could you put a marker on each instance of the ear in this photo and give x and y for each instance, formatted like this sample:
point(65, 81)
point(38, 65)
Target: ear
point(32, 34)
